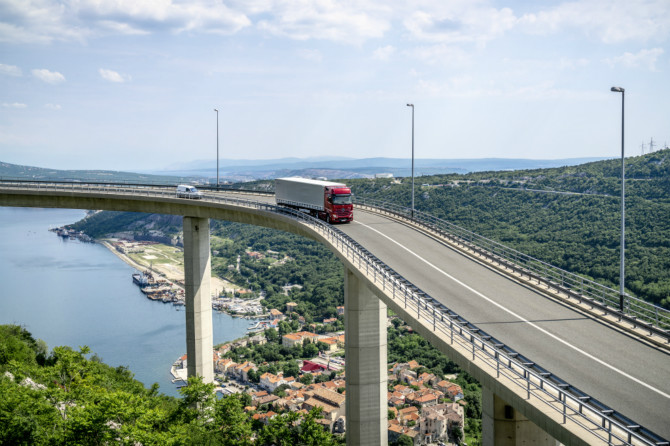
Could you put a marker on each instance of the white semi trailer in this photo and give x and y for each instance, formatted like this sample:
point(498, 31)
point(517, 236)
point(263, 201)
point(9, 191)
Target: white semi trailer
point(324, 199)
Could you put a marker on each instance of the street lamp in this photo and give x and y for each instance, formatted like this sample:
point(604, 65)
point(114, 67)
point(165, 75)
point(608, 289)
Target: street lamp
point(412, 105)
point(217, 148)
point(623, 206)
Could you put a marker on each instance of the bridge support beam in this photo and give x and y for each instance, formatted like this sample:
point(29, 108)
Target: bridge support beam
point(502, 425)
point(366, 365)
point(197, 278)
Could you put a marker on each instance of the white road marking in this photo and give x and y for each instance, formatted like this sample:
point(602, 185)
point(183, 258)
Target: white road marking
point(566, 343)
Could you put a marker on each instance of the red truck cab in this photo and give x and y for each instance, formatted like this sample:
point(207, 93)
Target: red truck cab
point(338, 205)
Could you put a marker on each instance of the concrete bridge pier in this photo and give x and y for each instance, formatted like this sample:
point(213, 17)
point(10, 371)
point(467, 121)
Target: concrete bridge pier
point(366, 364)
point(502, 425)
point(197, 278)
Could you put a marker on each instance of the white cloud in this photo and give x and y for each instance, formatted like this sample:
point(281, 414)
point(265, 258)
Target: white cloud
point(643, 58)
point(384, 52)
point(611, 21)
point(113, 76)
point(122, 28)
point(10, 70)
point(460, 23)
point(338, 21)
point(14, 105)
point(45, 21)
point(349, 21)
point(38, 21)
point(52, 106)
point(50, 77)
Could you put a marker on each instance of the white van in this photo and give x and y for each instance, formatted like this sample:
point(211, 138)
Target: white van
point(186, 191)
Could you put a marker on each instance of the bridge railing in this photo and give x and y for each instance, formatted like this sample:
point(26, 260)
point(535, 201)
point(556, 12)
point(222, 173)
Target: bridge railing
point(518, 371)
point(536, 382)
point(636, 311)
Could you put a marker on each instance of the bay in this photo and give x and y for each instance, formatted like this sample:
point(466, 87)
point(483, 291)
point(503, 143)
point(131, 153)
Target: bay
point(71, 293)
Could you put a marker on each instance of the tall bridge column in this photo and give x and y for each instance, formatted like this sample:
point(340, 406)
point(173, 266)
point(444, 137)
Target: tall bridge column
point(502, 425)
point(366, 364)
point(197, 278)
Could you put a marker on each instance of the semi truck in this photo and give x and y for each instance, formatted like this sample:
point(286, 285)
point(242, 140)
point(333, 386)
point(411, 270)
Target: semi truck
point(326, 200)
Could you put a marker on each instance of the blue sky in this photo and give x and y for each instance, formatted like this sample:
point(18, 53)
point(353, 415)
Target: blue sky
point(132, 84)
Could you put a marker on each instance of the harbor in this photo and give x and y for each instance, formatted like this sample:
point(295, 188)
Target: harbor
point(67, 234)
point(159, 289)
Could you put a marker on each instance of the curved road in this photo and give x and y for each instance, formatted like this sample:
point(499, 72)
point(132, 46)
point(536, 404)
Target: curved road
point(617, 369)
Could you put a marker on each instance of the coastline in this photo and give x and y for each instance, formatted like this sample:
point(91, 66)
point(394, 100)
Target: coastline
point(172, 273)
point(121, 256)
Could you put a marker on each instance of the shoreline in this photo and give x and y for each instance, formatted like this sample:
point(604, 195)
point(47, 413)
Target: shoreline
point(218, 284)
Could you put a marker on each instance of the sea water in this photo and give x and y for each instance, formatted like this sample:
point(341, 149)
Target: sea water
point(72, 293)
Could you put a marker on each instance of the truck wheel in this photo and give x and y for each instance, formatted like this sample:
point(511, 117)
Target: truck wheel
point(328, 218)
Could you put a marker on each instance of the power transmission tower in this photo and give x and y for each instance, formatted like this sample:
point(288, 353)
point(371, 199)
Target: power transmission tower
point(651, 145)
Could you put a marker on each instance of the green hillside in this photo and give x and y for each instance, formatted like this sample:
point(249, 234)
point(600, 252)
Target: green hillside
point(569, 216)
point(15, 171)
point(68, 397)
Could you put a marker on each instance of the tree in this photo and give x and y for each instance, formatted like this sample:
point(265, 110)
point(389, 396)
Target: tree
point(291, 429)
point(197, 401)
point(83, 401)
point(306, 379)
point(280, 391)
point(253, 376)
point(271, 335)
point(403, 440)
point(322, 378)
point(310, 351)
point(291, 368)
point(457, 434)
point(284, 328)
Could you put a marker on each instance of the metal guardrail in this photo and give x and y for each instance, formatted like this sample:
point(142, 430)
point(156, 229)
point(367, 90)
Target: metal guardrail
point(209, 187)
point(636, 311)
point(538, 383)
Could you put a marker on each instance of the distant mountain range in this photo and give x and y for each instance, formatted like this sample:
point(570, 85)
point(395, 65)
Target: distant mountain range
point(15, 171)
point(325, 167)
point(343, 168)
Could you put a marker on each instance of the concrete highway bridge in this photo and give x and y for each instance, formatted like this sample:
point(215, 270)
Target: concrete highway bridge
point(557, 361)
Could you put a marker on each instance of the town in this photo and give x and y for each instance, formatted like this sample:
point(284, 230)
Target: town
point(426, 408)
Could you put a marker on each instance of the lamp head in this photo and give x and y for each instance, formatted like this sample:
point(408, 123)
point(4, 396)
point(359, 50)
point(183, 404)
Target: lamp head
point(216, 110)
point(618, 89)
point(410, 105)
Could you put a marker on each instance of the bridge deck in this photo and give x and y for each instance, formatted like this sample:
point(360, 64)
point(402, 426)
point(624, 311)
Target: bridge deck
point(613, 367)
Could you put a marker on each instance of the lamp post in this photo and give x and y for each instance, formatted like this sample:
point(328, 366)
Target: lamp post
point(217, 147)
point(412, 105)
point(623, 206)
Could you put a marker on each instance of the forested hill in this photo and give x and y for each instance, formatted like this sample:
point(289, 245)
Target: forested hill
point(15, 171)
point(63, 397)
point(568, 216)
